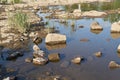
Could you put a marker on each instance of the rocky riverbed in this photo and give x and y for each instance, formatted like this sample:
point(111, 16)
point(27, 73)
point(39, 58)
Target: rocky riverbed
point(63, 61)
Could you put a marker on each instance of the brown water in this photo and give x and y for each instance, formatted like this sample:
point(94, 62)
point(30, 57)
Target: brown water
point(92, 68)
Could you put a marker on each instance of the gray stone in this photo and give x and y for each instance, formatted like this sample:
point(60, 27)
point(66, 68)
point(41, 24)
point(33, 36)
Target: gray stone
point(54, 57)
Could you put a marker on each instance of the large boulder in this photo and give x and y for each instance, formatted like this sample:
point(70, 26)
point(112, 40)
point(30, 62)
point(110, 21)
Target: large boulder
point(96, 26)
point(94, 13)
point(115, 27)
point(54, 38)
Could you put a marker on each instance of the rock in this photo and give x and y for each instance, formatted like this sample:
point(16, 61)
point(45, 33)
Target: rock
point(94, 13)
point(65, 64)
point(56, 78)
point(98, 54)
point(40, 61)
point(28, 60)
point(54, 38)
point(37, 40)
point(14, 55)
point(81, 26)
point(10, 8)
point(11, 78)
point(96, 26)
point(115, 27)
point(77, 11)
point(118, 49)
point(1, 48)
point(36, 48)
point(77, 60)
point(113, 64)
point(84, 40)
point(39, 53)
point(54, 57)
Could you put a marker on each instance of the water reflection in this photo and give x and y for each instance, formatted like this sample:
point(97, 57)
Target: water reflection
point(57, 46)
point(115, 35)
point(96, 31)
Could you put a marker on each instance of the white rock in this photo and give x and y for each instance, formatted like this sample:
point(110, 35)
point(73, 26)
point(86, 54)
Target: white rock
point(36, 48)
point(39, 53)
point(94, 13)
point(98, 54)
point(76, 60)
point(0, 6)
point(8, 78)
point(54, 38)
point(77, 11)
point(40, 61)
point(96, 26)
point(115, 27)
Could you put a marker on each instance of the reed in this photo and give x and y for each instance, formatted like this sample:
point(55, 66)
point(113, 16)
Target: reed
point(19, 21)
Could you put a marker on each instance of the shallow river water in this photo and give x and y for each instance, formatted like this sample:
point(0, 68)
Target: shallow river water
point(92, 68)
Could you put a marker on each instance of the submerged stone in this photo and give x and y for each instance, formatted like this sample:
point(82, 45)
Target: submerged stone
point(54, 57)
point(14, 55)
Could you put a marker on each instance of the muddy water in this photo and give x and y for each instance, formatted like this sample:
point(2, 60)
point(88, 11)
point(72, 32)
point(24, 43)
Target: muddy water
point(92, 68)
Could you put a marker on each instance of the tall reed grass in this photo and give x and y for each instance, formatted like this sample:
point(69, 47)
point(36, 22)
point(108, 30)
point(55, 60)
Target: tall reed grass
point(19, 20)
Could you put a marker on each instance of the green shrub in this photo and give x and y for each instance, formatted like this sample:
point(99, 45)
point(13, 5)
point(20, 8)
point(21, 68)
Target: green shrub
point(20, 21)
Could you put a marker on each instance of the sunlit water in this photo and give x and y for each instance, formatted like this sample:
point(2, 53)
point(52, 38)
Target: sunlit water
point(92, 68)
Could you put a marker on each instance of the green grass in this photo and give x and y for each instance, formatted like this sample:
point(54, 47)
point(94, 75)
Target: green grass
point(19, 21)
